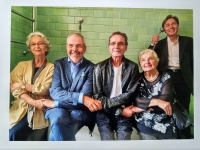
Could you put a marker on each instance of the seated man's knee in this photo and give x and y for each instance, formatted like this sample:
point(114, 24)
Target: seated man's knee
point(124, 125)
point(57, 116)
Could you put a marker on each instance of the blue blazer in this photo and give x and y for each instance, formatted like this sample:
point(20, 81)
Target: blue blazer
point(67, 91)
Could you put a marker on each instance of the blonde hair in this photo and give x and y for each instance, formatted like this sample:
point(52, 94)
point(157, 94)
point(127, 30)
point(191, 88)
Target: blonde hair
point(148, 51)
point(46, 40)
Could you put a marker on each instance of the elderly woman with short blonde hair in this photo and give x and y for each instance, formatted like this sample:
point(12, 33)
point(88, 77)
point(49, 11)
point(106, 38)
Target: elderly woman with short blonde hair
point(151, 109)
point(29, 84)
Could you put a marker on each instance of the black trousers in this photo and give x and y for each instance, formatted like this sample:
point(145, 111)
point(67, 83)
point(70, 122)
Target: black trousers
point(183, 95)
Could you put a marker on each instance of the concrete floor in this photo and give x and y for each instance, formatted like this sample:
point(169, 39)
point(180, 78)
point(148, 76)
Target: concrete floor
point(83, 135)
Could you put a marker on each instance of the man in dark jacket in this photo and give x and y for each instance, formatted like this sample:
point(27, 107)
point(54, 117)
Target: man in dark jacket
point(114, 83)
point(176, 56)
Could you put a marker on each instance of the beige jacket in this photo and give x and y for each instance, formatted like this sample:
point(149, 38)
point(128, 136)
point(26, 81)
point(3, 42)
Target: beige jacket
point(23, 73)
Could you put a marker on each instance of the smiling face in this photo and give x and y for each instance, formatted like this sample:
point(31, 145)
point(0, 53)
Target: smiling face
point(148, 62)
point(117, 46)
point(37, 46)
point(171, 27)
point(75, 48)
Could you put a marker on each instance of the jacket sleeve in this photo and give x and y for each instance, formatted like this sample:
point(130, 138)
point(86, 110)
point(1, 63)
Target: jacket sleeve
point(118, 101)
point(23, 73)
point(16, 74)
point(167, 89)
point(61, 88)
point(191, 55)
point(166, 94)
point(150, 47)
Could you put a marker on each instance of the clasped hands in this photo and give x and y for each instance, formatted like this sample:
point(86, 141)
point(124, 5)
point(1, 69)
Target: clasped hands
point(130, 110)
point(91, 104)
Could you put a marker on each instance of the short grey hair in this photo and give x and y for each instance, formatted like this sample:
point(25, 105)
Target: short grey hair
point(46, 40)
point(77, 34)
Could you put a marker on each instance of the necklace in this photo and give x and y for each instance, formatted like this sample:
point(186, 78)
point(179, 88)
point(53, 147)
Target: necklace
point(154, 78)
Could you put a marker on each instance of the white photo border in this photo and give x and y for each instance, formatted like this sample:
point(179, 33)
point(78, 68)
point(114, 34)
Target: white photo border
point(5, 30)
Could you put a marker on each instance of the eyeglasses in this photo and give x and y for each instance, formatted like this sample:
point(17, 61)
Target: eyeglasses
point(39, 44)
point(172, 24)
point(118, 44)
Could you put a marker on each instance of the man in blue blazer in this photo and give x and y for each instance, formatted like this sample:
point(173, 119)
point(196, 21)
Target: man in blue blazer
point(176, 56)
point(71, 89)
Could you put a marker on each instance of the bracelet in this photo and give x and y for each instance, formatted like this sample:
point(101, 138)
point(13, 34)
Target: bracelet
point(23, 87)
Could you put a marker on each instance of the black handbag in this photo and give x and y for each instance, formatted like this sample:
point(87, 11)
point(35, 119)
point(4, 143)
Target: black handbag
point(180, 116)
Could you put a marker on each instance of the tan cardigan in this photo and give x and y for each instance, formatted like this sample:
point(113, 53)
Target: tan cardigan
point(23, 73)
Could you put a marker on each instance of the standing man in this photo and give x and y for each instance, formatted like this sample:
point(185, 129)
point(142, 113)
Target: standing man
point(71, 90)
point(114, 83)
point(176, 57)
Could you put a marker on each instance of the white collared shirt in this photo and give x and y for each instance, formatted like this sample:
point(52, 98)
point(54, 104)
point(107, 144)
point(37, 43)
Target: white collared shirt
point(173, 54)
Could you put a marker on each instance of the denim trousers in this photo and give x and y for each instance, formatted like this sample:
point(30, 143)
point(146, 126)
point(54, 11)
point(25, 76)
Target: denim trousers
point(111, 128)
point(22, 132)
point(64, 124)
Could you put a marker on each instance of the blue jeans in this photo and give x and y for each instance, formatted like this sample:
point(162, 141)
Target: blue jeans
point(109, 125)
point(22, 132)
point(64, 124)
point(144, 136)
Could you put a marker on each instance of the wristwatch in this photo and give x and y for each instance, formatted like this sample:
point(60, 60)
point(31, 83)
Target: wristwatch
point(23, 87)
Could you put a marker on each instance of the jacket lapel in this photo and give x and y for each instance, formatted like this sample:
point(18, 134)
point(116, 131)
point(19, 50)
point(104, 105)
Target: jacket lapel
point(67, 69)
point(165, 50)
point(181, 48)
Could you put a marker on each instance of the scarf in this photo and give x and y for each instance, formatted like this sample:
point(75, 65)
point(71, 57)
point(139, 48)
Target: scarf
point(34, 77)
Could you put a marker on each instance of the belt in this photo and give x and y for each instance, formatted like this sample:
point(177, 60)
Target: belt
point(174, 70)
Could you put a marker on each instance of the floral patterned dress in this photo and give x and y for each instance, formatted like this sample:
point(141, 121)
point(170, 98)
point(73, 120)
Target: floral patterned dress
point(156, 123)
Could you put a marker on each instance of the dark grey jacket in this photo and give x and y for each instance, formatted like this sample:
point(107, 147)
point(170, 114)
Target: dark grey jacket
point(103, 81)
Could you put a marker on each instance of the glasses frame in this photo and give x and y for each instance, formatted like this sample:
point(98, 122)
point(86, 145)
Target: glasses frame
point(39, 44)
point(118, 43)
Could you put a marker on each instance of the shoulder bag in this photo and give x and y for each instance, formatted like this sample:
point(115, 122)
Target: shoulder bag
point(180, 116)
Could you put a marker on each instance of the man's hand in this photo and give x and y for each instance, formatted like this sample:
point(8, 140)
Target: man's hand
point(137, 109)
point(91, 104)
point(128, 111)
point(48, 103)
point(155, 39)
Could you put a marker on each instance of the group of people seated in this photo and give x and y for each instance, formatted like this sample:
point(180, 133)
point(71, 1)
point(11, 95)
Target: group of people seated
point(112, 94)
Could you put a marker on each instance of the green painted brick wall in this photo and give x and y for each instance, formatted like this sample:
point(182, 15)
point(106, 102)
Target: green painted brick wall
point(139, 25)
point(58, 22)
point(20, 28)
